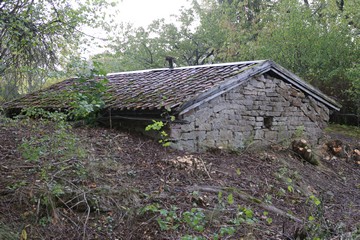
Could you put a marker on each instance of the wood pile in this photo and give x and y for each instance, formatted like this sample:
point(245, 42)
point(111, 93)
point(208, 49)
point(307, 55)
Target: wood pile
point(340, 150)
point(355, 156)
point(303, 149)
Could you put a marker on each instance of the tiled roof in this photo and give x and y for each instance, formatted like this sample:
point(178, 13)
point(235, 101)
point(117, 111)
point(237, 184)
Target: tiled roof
point(146, 90)
point(168, 88)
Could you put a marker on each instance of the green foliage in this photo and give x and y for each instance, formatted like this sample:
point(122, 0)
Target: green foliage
point(315, 42)
point(17, 185)
point(167, 219)
point(195, 219)
point(38, 36)
point(315, 200)
point(55, 154)
point(89, 93)
point(299, 132)
point(268, 219)
point(344, 129)
point(159, 127)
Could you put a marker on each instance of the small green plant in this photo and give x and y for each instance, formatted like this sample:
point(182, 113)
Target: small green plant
point(244, 215)
point(159, 126)
point(317, 227)
point(195, 218)
point(223, 232)
point(30, 150)
point(17, 185)
point(189, 237)
point(167, 219)
point(314, 200)
point(268, 219)
point(44, 221)
point(299, 132)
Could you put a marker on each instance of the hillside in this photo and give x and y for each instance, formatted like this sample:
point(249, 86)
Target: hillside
point(95, 183)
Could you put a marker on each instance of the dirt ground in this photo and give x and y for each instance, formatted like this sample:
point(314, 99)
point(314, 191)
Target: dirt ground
point(97, 183)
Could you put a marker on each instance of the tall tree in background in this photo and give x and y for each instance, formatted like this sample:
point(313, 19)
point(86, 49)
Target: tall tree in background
point(140, 48)
point(35, 33)
point(316, 42)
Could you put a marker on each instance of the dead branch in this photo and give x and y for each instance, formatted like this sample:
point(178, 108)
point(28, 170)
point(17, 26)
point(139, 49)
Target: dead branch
point(245, 197)
point(87, 216)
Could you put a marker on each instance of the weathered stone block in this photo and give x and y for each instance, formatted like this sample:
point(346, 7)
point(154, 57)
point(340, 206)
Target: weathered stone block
point(188, 145)
point(272, 94)
point(225, 134)
point(265, 108)
point(188, 127)
point(257, 84)
point(175, 133)
point(220, 107)
point(259, 119)
point(187, 136)
point(259, 134)
point(208, 143)
point(271, 135)
point(200, 135)
point(250, 92)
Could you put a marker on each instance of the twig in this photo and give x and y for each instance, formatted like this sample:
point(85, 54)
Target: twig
point(37, 210)
point(245, 197)
point(87, 216)
point(207, 172)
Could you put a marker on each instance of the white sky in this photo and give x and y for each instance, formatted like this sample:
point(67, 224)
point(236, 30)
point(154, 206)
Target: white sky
point(139, 13)
point(143, 12)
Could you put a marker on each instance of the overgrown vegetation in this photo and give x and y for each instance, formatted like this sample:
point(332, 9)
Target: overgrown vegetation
point(160, 128)
point(88, 94)
point(93, 184)
point(39, 38)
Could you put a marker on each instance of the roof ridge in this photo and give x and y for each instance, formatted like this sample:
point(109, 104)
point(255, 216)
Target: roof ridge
point(186, 67)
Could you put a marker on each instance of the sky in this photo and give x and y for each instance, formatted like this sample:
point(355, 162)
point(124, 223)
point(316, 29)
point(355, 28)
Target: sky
point(142, 12)
point(139, 13)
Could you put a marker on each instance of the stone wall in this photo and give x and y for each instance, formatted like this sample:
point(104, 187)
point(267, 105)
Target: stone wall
point(262, 111)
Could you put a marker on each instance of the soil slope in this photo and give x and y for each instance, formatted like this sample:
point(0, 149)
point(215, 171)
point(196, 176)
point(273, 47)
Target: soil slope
point(96, 183)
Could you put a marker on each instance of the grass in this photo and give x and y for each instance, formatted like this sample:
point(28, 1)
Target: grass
point(351, 131)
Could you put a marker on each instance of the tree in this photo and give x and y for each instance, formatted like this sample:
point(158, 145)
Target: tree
point(34, 34)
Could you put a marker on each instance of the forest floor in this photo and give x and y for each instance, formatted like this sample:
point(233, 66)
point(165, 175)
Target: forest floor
point(96, 183)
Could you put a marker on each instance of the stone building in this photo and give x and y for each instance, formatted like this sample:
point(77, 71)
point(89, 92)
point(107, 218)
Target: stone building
point(215, 106)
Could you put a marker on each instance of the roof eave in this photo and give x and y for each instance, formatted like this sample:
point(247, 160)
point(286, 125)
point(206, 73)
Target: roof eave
point(305, 87)
point(261, 68)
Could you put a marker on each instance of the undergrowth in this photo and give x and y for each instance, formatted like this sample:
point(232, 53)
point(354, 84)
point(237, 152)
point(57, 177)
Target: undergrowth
point(347, 130)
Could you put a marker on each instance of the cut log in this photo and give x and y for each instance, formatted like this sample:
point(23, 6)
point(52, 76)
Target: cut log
point(355, 156)
point(303, 149)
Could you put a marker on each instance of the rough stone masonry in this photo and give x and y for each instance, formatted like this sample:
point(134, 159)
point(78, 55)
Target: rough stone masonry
point(262, 111)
